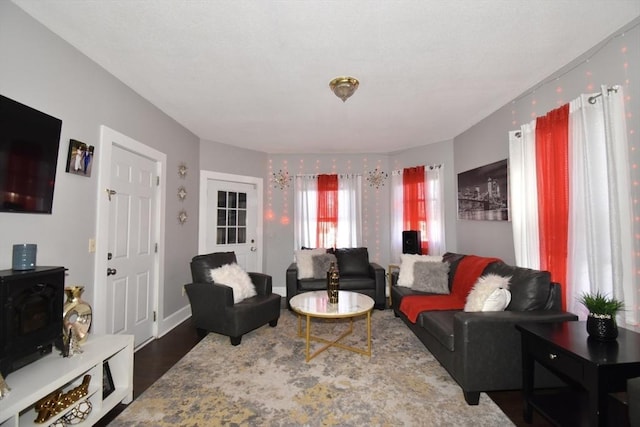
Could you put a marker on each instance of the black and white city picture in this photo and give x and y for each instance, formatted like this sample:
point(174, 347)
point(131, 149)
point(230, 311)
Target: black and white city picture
point(483, 193)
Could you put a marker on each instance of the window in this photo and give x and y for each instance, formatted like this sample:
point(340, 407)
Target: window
point(232, 218)
point(314, 229)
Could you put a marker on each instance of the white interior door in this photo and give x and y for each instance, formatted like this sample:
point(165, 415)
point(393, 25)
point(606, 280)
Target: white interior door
point(131, 245)
point(231, 220)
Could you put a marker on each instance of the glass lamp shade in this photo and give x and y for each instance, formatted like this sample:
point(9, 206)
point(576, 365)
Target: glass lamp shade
point(344, 87)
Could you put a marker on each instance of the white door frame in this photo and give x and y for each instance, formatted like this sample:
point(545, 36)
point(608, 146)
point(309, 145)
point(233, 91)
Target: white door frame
point(202, 225)
point(109, 138)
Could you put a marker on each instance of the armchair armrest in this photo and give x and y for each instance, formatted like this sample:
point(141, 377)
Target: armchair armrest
point(379, 274)
point(292, 281)
point(208, 300)
point(488, 346)
point(262, 283)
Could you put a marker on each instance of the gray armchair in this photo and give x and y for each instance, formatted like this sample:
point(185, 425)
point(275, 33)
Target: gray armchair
point(212, 304)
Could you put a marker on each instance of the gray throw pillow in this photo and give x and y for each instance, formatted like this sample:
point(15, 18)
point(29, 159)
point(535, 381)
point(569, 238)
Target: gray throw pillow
point(431, 277)
point(321, 264)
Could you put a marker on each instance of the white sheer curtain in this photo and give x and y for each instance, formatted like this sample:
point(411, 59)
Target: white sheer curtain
point(305, 211)
point(523, 193)
point(435, 209)
point(434, 185)
point(600, 256)
point(396, 216)
point(349, 211)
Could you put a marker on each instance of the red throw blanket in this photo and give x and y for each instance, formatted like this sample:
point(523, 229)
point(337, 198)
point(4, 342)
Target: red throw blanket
point(469, 269)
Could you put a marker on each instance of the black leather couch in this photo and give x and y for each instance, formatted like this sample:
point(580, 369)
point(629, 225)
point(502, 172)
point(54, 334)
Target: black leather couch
point(482, 350)
point(212, 306)
point(357, 274)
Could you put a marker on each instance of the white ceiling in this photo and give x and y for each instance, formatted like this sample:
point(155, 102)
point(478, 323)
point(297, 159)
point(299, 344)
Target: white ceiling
point(255, 74)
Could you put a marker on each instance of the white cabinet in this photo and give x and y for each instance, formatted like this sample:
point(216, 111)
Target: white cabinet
point(37, 380)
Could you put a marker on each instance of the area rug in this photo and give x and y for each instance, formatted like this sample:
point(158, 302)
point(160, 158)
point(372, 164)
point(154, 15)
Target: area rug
point(265, 381)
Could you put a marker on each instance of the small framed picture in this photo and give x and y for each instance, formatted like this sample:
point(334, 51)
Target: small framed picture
point(107, 380)
point(80, 158)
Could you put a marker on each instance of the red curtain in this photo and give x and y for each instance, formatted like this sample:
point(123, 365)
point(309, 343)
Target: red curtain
point(414, 203)
point(552, 146)
point(327, 211)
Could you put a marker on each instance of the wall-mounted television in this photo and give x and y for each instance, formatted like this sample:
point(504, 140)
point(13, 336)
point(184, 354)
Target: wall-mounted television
point(29, 141)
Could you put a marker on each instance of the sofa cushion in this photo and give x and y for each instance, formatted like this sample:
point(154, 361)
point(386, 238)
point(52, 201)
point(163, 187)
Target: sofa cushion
point(530, 289)
point(431, 277)
point(407, 262)
point(483, 288)
point(321, 265)
point(440, 325)
point(236, 278)
point(353, 261)
point(304, 261)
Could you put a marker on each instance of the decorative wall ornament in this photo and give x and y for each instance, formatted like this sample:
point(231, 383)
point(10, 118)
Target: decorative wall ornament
point(182, 170)
point(182, 217)
point(182, 193)
point(281, 179)
point(376, 178)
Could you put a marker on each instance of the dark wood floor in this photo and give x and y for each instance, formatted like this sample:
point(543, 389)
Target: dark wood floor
point(154, 359)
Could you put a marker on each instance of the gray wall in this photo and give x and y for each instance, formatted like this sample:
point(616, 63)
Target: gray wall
point(41, 70)
point(615, 61)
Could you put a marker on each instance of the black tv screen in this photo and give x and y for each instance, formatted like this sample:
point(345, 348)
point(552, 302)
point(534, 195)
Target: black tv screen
point(29, 141)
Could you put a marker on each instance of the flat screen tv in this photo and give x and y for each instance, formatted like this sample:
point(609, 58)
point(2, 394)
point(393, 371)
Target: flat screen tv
point(29, 141)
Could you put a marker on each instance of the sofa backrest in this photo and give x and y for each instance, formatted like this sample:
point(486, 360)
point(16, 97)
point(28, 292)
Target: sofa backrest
point(352, 261)
point(201, 264)
point(530, 289)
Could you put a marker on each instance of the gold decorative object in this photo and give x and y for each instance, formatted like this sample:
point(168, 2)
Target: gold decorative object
point(58, 401)
point(76, 315)
point(376, 178)
point(182, 193)
point(4, 388)
point(78, 413)
point(182, 170)
point(281, 179)
point(333, 283)
point(182, 217)
point(344, 87)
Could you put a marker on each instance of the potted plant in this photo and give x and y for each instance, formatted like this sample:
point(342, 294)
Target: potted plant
point(601, 322)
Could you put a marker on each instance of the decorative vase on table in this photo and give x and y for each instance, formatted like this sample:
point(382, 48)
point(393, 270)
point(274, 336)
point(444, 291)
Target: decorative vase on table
point(333, 283)
point(76, 315)
point(602, 327)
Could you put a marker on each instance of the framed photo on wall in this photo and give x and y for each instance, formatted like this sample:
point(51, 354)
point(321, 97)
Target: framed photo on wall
point(483, 193)
point(80, 158)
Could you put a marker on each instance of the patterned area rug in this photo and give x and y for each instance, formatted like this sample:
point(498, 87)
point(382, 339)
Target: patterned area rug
point(265, 381)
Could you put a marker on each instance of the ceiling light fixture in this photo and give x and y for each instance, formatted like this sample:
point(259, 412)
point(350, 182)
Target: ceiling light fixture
point(344, 87)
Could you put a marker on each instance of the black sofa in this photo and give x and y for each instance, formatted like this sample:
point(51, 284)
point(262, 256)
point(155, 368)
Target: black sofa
point(357, 274)
point(482, 350)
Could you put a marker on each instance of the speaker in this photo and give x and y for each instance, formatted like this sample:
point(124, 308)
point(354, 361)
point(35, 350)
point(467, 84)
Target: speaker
point(411, 242)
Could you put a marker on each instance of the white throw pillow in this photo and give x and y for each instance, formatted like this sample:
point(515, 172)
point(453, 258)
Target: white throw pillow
point(235, 277)
point(497, 301)
point(484, 287)
point(305, 262)
point(405, 277)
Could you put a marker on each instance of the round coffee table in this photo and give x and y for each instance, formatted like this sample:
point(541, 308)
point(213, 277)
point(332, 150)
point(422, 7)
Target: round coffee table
point(316, 304)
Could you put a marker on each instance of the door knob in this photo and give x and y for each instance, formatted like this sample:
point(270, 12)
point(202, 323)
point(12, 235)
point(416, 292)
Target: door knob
point(111, 271)
point(253, 249)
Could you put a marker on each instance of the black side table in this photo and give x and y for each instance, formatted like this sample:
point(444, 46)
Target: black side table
point(593, 369)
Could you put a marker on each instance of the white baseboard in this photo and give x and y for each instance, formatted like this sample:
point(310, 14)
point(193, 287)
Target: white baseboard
point(166, 325)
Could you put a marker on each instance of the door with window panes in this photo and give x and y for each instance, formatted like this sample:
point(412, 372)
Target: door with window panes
point(231, 226)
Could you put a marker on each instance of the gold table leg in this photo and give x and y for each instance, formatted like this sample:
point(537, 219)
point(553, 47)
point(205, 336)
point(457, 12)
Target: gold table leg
point(335, 342)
